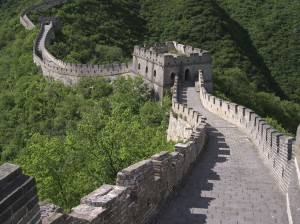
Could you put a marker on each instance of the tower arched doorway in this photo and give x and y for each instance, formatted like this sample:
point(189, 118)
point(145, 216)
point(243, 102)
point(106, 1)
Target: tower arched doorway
point(187, 75)
point(173, 78)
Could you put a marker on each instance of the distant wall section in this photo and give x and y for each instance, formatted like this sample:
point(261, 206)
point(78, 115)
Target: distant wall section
point(69, 73)
point(24, 17)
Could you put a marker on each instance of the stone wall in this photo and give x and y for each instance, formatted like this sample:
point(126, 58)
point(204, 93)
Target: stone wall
point(18, 197)
point(24, 17)
point(140, 194)
point(141, 191)
point(69, 73)
point(279, 152)
point(178, 129)
point(293, 194)
point(183, 120)
point(55, 69)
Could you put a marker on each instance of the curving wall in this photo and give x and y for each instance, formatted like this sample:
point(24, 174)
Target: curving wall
point(24, 19)
point(143, 189)
point(183, 120)
point(55, 69)
point(279, 152)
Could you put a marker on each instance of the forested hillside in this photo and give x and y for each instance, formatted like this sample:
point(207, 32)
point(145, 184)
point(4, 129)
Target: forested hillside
point(274, 29)
point(52, 130)
point(255, 58)
point(240, 71)
point(72, 140)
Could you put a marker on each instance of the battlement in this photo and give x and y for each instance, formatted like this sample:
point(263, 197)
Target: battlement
point(171, 53)
point(279, 152)
point(193, 117)
point(63, 71)
point(140, 193)
point(276, 149)
point(24, 17)
point(18, 196)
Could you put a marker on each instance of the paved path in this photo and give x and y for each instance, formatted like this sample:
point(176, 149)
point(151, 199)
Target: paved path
point(230, 183)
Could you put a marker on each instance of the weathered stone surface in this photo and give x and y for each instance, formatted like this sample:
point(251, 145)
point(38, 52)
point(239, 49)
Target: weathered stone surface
point(178, 129)
point(54, 218)
point(230, 184)
point(8, 172)
point(105, 196)
point(87, 214)
point(18, 196)
point(47, 209)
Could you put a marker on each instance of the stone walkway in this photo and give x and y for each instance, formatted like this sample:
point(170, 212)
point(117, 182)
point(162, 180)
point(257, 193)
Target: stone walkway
point(230, 184)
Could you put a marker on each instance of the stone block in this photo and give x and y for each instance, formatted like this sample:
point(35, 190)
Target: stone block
point(87, 214)
point(105, 196)
point(8, 172)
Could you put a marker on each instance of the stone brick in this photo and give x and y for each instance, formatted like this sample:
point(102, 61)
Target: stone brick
point(8, 172)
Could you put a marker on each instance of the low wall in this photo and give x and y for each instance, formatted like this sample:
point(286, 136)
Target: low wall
point(69, 73)
point(55, 69)
point(18, 197)
point(183, 120)
point(24, 19)
point(193, 117)
point(278, 151)
point(143, 189)
point(140, 193)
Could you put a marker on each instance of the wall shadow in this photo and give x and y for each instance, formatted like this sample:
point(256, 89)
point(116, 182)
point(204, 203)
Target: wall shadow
point(193, 201)
point(182, 97)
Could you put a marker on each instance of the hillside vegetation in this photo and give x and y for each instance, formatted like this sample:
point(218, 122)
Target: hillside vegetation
point(72, 140)
point(255, 45)
point(96, 129)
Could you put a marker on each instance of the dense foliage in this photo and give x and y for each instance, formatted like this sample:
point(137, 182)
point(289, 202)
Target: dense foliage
point(95, 129)
point(116, 126)
point(255, 45)
point(96, 32)
point(240, 72)
point(71, 140)
point(274, 28)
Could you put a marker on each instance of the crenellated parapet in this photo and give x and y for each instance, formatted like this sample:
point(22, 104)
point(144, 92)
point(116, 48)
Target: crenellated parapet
point(279, 152)
point(24, 17)
point(158, 64)
point(193, 117)
point(275, 148)
point(172, 54)
point(141, 192)
point(68, 73)
point(144, 188)
point(18, 197)
point(183, 120)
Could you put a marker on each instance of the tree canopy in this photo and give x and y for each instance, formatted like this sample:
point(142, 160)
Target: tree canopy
point(95, 129)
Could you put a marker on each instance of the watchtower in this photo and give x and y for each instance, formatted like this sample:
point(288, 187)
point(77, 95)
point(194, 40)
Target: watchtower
point(159, 64)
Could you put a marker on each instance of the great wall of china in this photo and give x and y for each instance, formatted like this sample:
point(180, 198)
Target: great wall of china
point(144, 190)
